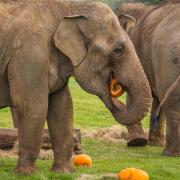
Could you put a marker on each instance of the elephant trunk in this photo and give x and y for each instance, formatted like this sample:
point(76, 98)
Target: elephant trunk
point(139, 94)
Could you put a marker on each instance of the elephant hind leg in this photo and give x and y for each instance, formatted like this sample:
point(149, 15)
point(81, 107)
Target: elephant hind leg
point(172, 147)
point(60, 124)
point(157, 126)
point(172, 112)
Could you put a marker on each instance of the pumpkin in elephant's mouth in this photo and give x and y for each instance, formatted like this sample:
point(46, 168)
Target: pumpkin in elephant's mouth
point(116, 89)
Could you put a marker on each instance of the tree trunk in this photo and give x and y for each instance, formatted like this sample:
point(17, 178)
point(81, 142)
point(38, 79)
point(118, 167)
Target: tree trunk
point(9, 136)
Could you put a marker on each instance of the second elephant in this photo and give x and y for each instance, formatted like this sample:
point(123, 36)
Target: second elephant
point(155, 32)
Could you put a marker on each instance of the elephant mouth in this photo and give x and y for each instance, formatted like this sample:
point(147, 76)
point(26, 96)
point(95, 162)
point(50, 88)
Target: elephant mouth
point(117, 90)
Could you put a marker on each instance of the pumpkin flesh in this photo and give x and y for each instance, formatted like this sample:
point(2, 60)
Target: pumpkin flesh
point(116, 89)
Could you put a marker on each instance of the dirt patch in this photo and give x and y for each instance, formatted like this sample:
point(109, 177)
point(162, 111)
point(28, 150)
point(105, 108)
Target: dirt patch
point(87, 177)
point(7, 154)
point(109, 176)
point(115, 134)
point(43, 155)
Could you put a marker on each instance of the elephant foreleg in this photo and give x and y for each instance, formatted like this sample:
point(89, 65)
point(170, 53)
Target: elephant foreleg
point(136, 135)
point(14, 117)
point(157, 126)
point(29, 94)
point(60, 123)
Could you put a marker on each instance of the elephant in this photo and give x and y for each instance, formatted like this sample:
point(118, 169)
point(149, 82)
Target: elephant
point(43, 43)
point(155, 33)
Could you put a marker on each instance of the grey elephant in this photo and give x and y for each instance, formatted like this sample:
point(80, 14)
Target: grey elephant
point(155, 32)
point(42, 44)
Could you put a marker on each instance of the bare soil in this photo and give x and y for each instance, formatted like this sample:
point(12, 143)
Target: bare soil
point(114, 134)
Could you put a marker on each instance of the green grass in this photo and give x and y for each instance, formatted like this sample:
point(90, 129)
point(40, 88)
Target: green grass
point(90, 113)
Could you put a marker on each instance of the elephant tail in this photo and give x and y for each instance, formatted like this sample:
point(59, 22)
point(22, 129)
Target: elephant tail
point(166, 95)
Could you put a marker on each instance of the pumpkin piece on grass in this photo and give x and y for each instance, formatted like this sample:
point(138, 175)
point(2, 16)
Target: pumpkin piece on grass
point(126, 174)
point(140, 175)
point(133, 174)
point(82, 160)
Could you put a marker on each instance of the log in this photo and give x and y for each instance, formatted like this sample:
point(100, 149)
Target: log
point(8, 137)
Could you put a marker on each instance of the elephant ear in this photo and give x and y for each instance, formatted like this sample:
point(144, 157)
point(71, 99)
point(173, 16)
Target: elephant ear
point(127, 22)
point(70, 40)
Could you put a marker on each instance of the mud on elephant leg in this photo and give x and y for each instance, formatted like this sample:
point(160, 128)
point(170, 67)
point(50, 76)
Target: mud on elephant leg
point(157, 127)
point(136, 135)
point(172, 112)
point(60, 123)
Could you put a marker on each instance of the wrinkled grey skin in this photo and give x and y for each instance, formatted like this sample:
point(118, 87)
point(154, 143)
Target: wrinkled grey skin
point(156, 37)
point(42, 44)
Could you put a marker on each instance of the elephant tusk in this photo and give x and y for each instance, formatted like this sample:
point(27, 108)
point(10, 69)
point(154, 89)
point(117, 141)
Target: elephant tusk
point(116, 89)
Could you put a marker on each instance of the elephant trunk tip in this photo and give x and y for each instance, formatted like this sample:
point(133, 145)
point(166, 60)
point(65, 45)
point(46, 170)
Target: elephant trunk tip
point(136, 108)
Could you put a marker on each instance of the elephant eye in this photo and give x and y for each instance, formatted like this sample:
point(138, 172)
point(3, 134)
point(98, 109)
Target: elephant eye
point(118, 51)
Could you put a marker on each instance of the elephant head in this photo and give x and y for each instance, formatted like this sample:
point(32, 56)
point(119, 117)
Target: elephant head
point(100, 50)
point(130, 14)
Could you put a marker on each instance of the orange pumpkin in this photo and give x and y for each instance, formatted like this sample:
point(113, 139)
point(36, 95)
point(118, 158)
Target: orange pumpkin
point(133, 174)
point(82, 160)
point(126, 174)
point(140, 175)
point(116, 89)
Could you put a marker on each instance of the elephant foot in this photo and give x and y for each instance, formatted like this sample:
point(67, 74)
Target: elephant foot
point(137, 142)
point(172, 152)
point(136, 136)
point(25, 170)
point(156, 139)
point(63, 169)
point(156, 142)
